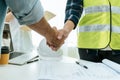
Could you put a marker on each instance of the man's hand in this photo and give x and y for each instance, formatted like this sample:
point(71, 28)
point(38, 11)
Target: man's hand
point(58, 40)
point(55, 38)
point(62, 34)
point(53, 42)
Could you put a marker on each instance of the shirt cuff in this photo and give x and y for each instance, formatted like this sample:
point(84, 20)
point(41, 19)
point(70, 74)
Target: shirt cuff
point(74, 19)
point(33, 16)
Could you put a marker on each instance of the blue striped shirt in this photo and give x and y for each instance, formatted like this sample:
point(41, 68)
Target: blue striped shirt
point(73, 11)
point(26, 11)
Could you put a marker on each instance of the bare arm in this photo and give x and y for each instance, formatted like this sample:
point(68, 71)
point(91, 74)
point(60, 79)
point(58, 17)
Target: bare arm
point(42, 27)
point(68, 27)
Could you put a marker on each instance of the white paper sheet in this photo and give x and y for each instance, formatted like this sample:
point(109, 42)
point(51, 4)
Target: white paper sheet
point(55, 70)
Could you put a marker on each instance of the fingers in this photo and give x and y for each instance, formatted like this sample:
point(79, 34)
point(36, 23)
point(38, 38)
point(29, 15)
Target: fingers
point(60, 34)
point(56, 45)
point(54, 48)
point(57, 40)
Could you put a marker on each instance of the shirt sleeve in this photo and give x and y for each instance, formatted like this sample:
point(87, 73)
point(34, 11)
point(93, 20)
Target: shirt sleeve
point(26, 11)
point(73, 10)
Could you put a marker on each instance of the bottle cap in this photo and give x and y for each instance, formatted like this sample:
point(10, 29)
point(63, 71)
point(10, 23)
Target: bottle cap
point(4, 49)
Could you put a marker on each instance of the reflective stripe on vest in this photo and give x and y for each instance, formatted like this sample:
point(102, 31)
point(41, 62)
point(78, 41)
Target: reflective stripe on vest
point(115, 9)
point(97, 28)
point(93, 28)
point(97, 9)
point(102, 9)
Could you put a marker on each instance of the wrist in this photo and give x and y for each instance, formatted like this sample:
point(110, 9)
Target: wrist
point(69, 25)
point(50, 33)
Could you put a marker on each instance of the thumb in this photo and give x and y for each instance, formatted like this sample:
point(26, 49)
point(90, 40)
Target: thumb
point(60, 35)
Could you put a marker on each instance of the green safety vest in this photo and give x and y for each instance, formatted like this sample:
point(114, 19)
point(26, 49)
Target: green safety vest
point(99, 26)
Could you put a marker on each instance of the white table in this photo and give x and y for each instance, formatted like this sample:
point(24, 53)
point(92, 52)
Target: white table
point(32, 71)
point(25, 72)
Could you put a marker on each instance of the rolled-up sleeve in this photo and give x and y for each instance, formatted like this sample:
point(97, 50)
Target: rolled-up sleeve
point(26, 11)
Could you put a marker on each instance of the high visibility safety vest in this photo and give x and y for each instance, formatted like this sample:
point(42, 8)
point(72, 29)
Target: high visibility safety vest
point(100, 24)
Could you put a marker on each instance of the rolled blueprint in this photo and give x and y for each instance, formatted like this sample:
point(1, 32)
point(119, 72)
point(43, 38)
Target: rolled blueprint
point(113, 65)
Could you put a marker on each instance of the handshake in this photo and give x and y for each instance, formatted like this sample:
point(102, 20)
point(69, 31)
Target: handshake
point(56, 38)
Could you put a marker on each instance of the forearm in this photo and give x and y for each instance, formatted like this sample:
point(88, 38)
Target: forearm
point(69, 25)
point(43, 28)
point(64, 32)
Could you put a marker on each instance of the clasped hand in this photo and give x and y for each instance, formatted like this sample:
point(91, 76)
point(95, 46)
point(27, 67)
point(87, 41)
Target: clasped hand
point(57, 39)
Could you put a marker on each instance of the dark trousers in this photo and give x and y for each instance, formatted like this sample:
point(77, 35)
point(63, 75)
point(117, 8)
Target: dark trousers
point(96, 55)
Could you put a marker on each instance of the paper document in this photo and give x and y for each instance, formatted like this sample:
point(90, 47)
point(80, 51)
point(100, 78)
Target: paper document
point(55, 70)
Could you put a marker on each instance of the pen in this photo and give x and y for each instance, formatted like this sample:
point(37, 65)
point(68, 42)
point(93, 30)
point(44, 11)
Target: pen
point(84, 66)
point(32, 61)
